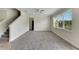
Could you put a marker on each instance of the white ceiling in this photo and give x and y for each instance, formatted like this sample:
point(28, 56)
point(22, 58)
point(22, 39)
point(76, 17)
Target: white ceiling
point(39, 11)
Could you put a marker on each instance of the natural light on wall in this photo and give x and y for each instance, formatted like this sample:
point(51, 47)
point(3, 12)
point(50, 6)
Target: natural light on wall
point(64, 20)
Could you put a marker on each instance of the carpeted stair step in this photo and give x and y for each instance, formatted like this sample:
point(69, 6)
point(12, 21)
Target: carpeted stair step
point(6, 33)
point(5, 36)
point(4, 40)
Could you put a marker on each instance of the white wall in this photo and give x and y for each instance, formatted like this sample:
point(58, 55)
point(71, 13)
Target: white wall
point(2, 17)
point(9, 15)
point(70, 36)
point(75, 27)
point(41, 23)
point(2, 14)
point(19, 26)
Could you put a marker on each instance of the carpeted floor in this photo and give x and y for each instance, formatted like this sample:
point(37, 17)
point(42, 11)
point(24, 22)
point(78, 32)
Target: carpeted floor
point(40, 41)
point(5, 46)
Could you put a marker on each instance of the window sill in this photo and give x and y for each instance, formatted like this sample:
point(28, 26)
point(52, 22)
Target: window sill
point(64, 29)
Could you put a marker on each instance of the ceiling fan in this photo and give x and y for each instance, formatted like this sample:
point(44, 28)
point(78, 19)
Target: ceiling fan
point(39, 10)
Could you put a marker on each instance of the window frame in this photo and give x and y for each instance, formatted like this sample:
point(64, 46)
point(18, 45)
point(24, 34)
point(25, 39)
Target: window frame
point(64, 28)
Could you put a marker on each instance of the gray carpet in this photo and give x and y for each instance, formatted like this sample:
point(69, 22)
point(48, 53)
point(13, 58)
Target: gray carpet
point(40, 41)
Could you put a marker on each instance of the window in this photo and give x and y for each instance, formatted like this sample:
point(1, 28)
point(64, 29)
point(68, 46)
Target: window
point(68, 19)
point(63, 21)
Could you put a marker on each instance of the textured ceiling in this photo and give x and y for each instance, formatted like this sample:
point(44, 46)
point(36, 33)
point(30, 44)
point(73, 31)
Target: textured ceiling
point(39, 11)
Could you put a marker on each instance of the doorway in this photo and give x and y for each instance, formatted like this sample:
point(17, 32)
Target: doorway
point(31, 24)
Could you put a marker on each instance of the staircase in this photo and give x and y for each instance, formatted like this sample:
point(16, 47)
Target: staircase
point(14, 15)
point(5, 37)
